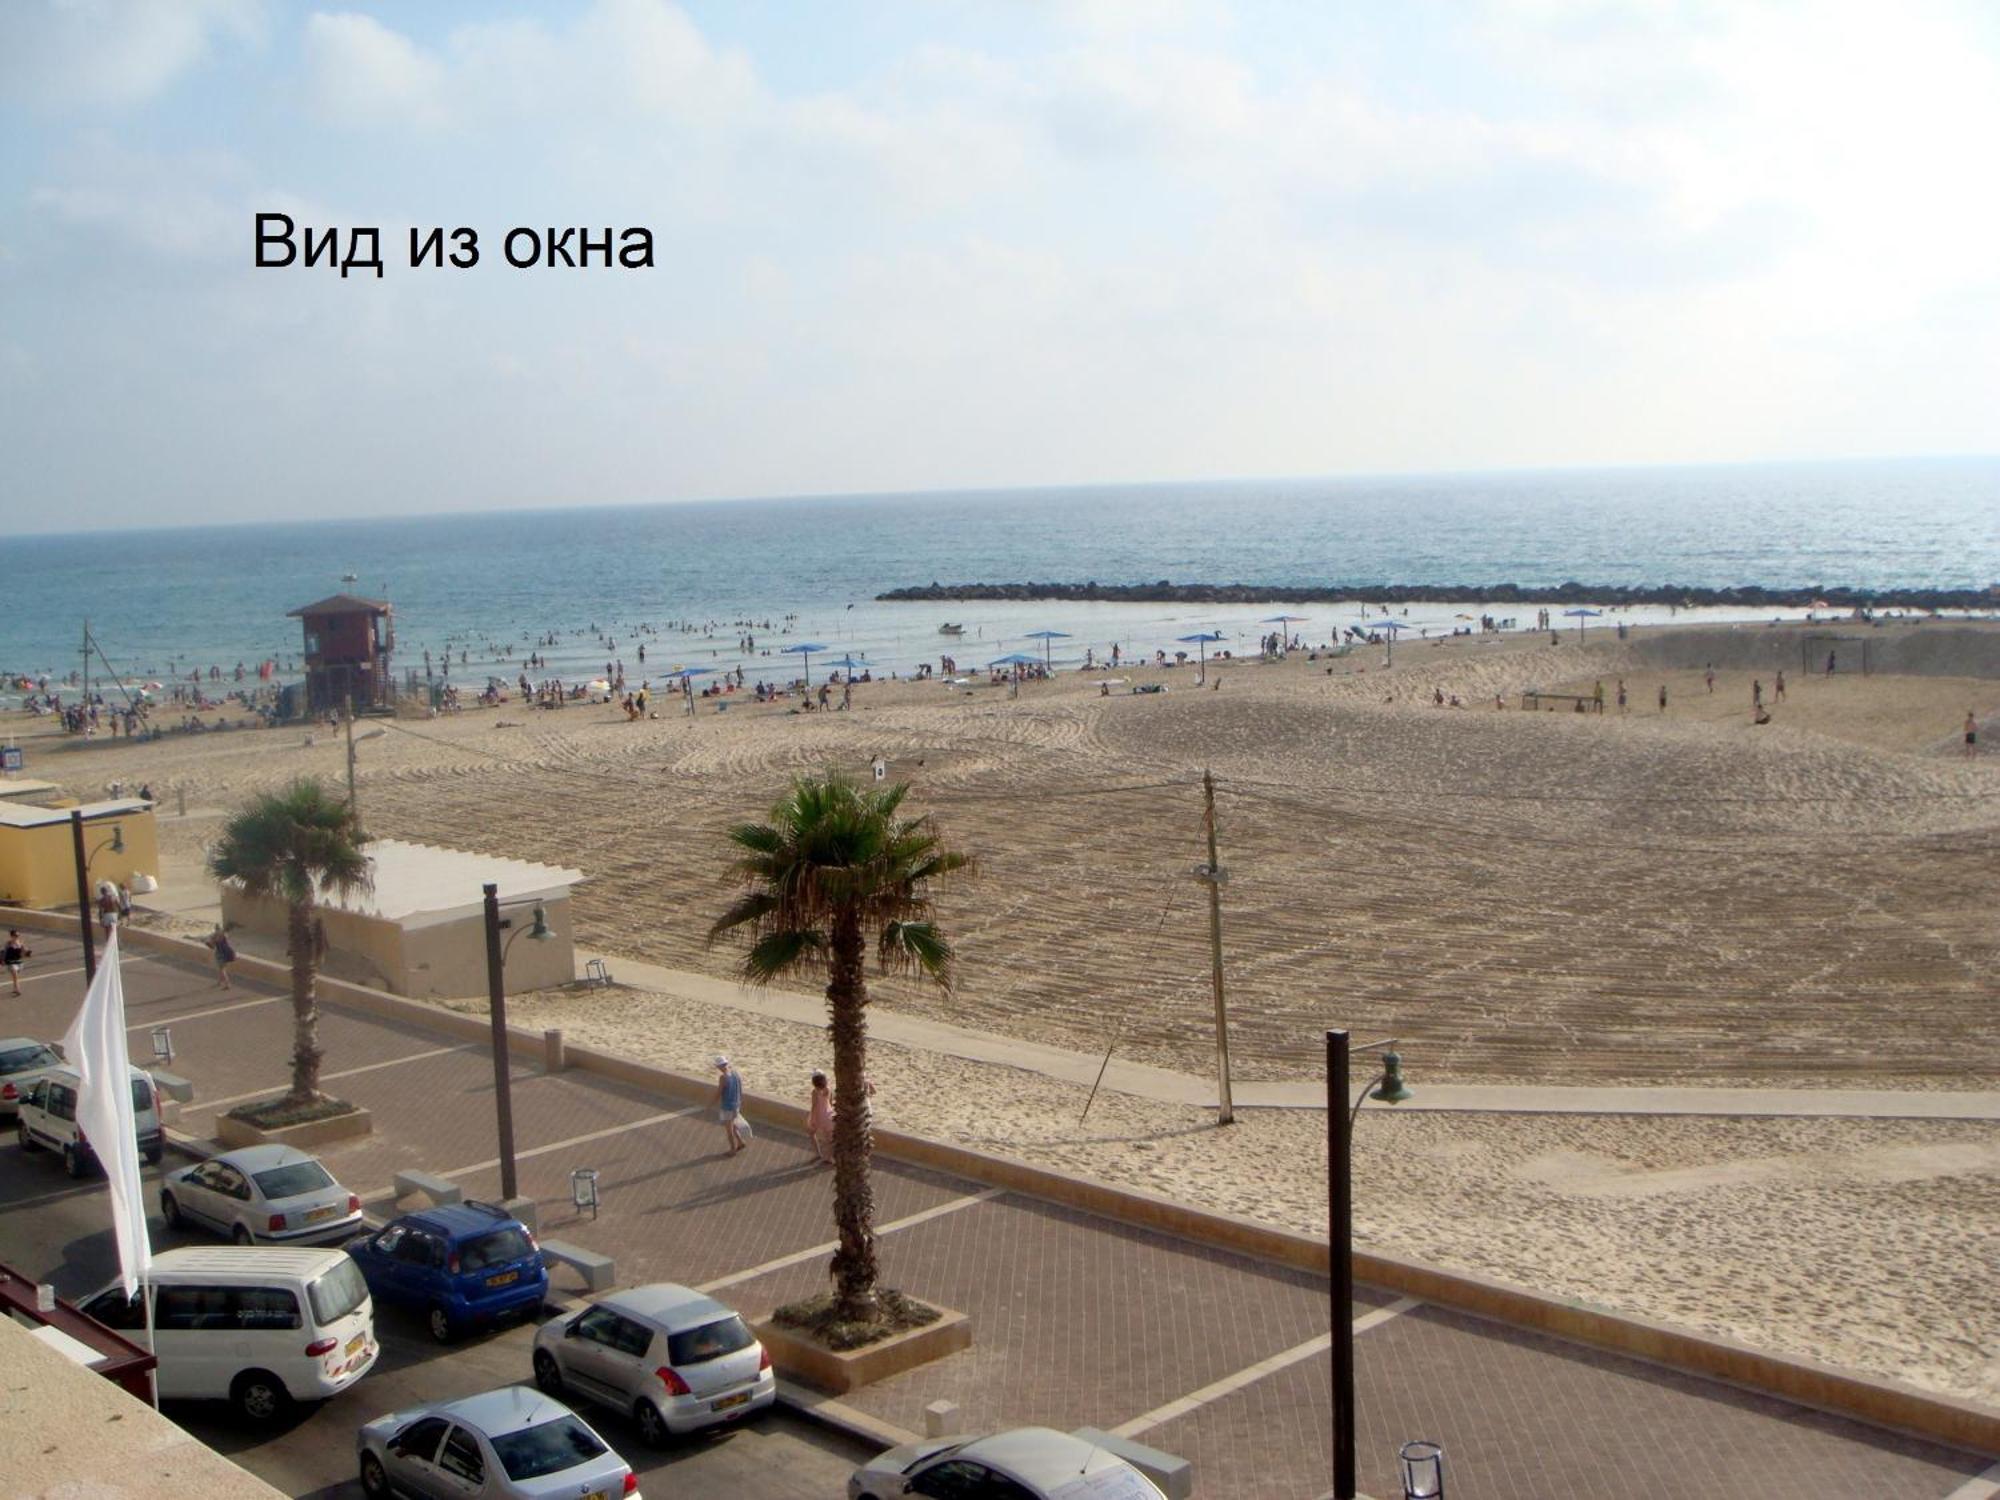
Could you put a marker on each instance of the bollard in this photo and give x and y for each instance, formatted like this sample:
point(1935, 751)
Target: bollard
point(941, 1419)
point(554, 1058)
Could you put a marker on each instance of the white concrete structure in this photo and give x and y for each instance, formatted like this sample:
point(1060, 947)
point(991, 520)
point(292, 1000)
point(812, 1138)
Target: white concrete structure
point(420, 930)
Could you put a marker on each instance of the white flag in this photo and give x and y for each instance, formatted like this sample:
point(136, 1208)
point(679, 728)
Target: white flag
point(95, 1047)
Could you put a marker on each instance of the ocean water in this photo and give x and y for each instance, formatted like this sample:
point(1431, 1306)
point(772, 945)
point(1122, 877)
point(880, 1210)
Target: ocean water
point(160, 601)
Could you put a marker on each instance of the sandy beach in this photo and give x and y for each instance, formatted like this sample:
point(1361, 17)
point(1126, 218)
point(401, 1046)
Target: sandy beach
point(1557, 897)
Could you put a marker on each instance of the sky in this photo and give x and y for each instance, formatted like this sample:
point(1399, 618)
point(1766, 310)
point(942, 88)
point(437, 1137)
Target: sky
point(981, 243)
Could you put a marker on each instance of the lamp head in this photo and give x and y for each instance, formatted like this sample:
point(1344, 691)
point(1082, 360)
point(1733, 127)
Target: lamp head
point(1392, 1090)
point(539, 930)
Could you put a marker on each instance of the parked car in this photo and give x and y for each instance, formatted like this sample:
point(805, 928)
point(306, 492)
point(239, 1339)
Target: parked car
point(1028, 1463)
point(671, 1357)
point(47, 1118)
point(462, 1265)
point(22, 1061)
point(510, 1442)
point(258, 1327)
point(274, 1194)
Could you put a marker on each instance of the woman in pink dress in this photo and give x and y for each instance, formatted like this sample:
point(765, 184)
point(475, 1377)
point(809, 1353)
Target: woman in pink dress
point(819, 1120)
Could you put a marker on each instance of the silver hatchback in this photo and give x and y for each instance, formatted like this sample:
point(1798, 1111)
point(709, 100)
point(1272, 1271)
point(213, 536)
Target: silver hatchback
point(674, 1359)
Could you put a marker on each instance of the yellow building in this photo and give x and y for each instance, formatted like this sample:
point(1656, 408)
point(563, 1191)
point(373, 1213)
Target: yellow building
point(38, 849)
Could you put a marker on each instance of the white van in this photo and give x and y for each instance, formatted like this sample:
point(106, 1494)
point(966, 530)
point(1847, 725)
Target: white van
point(259, 1327)
point(48, 1119)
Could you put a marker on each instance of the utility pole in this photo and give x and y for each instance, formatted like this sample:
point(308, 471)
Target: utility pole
point(86, 678)
point(353, 806)
point(1213, 875)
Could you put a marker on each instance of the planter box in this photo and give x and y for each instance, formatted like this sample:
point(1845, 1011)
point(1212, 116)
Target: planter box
point(839, 1370)
point(233, 1132)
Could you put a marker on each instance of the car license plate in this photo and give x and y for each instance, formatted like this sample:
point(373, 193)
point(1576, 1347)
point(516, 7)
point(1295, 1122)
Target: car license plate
point(728, 1401)
point(354, 1344)
point(317, 1215)
point(504, 1278)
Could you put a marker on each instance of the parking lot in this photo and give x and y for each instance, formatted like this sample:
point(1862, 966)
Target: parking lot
point(1078, 1320)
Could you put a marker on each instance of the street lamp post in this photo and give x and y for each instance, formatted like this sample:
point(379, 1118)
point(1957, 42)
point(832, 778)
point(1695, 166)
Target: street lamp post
point(1340, 1118)
point(496, 994)
point(116, 843)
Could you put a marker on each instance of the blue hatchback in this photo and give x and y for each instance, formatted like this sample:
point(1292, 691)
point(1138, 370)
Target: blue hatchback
point(461, 1265)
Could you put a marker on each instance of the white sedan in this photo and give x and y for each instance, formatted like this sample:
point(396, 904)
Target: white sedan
point(1029, 1463)
point(270, 1195)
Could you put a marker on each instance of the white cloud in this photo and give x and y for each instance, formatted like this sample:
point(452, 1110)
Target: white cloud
point(75, 54)
point(363, 73)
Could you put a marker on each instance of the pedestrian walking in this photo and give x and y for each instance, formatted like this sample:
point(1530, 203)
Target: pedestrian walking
point(1621, 695)
point(1710, 674)
point(1830, 659)
point(14, 955)
point(217, 942)
point(819, 1119)
point(729, 1104)
point(124, 902)
point(1756, 694)
point(1663, 697)
point(107, 907)
point(1778, 688)
point(1971, 746)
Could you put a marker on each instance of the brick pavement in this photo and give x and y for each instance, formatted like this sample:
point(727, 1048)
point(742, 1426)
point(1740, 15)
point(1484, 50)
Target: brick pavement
point(1077, 1319)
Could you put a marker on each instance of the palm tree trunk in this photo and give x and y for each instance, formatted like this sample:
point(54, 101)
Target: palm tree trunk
point(302, 946)
point(854, 1264)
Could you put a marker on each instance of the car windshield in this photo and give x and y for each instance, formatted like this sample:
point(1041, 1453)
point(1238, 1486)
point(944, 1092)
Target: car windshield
point(289, 1182)
point(337, 1293)
point(547, 1449)
point(20, 1059)
point(710, 1341)
point(142, 1095)
point(494, 1249)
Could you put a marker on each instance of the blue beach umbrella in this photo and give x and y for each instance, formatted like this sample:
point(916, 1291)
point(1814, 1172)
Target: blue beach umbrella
point(1286, 620)
point(1581, 615)
point(1200, 640)
point(1392, 626)
point(1045, 636)
point(846, 663)
point(803, 650)
point(1016, 659)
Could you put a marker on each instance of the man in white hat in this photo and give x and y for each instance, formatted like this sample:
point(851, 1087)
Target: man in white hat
point(729, 1103)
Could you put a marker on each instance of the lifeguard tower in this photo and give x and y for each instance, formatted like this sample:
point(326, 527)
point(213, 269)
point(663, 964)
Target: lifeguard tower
point(348, 641)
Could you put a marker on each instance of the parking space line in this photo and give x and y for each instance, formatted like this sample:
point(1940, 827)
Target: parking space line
point(54, 974)
point(575, 1140)
point(196, 1015)
point(1215, 1390)
point(814, 1252)
point(394, 1062)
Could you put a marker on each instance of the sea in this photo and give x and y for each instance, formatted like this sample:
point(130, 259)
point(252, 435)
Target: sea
point(690, 580)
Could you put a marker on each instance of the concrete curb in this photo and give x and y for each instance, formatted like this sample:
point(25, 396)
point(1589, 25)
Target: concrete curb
point(1879, 1402)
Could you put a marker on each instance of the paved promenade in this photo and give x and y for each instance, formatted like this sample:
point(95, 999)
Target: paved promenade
point(1077, 1319)
point(1172, 1087)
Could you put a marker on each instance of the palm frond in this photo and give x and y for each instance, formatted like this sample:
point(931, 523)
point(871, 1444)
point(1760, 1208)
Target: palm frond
point(918, 946)
point(778, 953)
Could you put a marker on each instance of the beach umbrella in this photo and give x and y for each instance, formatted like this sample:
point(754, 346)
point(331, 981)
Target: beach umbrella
point(1017, 659)
point(804, 650)
point(1200, 640)
point(1391, 626)
point(846, 663)
point(1045, 636)
point(1581, 615)
point(1285, 620)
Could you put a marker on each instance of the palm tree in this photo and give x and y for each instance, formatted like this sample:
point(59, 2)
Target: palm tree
point(834, 865)
point(288, 845)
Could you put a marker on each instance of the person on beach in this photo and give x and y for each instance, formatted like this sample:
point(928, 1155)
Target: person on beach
point(1710, 674)
point(1831, 657)
point(1663, 697)
point(1778, 688)
point(107, 908)
point(819, 1120)
point(14, 955)
point(1621, 695)
point(1597, 697)
point(729, 1103)
point(1971, 748)
point(217, 942)
point(1756, 694)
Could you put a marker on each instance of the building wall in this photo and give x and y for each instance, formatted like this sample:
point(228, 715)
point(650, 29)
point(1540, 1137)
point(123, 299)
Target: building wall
point(38, 865)
point(444, 960)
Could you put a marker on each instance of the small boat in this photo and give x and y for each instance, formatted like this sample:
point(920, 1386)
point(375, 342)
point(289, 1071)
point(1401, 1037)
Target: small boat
point(951, 630)
point(350, 577)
